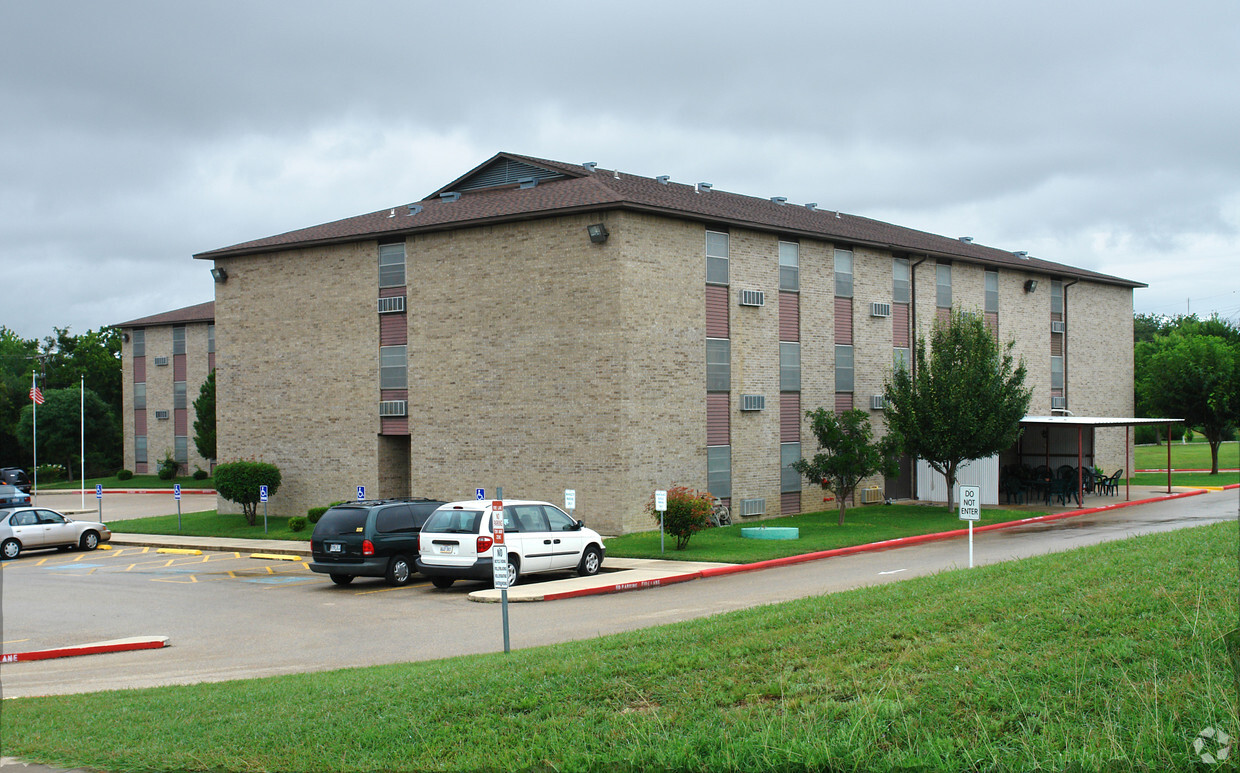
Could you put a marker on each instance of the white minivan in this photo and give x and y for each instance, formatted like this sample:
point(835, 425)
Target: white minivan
point(455, 542)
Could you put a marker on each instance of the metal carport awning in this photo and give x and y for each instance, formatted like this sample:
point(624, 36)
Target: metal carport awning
point(1093, 422)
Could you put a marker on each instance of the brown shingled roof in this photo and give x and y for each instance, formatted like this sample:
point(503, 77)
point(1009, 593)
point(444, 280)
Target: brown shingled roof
point(201, 312)
point(585, 191)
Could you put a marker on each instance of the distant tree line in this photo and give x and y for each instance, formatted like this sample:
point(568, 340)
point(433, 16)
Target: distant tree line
point(60, 364)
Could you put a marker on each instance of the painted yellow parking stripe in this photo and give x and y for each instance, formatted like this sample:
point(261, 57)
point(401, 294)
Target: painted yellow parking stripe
point(180, 551)
point(276, 557)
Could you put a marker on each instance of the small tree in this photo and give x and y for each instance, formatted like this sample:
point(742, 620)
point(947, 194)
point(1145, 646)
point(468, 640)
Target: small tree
point(1196, 378)
point(964, 401)
point(239, 481)
point(204, 421)
point(688, 512)
point(847, 454)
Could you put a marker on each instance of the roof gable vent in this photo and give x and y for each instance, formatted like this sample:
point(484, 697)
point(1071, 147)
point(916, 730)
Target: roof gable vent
point(663, 178)
point(506, 171)
point(527, 182)
point(450, 196)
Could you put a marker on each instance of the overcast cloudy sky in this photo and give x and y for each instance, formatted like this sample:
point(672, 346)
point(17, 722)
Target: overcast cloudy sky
point(1104, 135)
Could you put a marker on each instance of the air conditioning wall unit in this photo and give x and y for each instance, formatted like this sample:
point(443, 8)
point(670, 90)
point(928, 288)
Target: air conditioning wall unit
point(393, 407)
point(392, 305)
point(159, 361)
point(880, 309)
point(161, 415)
point(753, 402)
point(878, 403)
point(753, 298)
point(1059, 403)
point(1058, 327)
point(871, 495)
point(753, 506)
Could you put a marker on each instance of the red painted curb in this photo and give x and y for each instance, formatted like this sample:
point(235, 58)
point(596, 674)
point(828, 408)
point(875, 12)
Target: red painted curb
point(1188, 469)
point(87, 649)
point(1232, 486)
point(624, 586)
point(91, 491)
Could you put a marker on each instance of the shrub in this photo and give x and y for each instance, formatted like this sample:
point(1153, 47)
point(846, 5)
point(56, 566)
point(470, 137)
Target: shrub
point(239, 481)
point(688, 512)
point(315, 513)
point(124, 475)
point(51, 472)
point(168, 467)
point(296, 523)
point(201, 474)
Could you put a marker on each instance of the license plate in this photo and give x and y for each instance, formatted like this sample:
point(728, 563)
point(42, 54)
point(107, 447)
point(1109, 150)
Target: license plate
point(447, 550)
point(335, 547)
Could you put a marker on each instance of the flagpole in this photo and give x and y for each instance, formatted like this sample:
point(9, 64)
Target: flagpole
point(34, 431)
point(82, 461)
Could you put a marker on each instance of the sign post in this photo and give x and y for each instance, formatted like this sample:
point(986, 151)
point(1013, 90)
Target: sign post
point(660, 504)
point(970, 510)
point(262, 496)
point(176, 494)
point(499, 562)
point(99, 496)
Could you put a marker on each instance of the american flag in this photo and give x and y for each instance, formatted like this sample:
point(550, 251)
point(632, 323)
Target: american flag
point(36, 394)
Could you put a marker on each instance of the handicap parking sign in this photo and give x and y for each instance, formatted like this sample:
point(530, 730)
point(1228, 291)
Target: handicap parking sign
point(262, 493)
point(480, 494)
point(361, 493)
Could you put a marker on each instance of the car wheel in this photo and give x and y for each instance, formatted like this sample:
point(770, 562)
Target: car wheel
point(11, 548)
point(90, 540)
point(342, 579)
point(399, 571)
point(514, 570)
point(591, 562)
point(442, 582)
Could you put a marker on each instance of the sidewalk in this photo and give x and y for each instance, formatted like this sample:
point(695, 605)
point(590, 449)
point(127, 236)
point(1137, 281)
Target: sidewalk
point(226, 544)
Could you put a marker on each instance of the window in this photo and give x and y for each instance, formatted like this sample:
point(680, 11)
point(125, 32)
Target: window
point(1056, 296)
point(392, 265)
point(139, 449)
point(844, 273)
point(992, 291)
point(789, 266)
point(1056, 372)
point(900, 359)
point(139, 396)
point(178, 395)
point(943, 285)
point(558, 520)
point(210, 339)
point(789, 479)
point(843, 369)
point(180, 449)
point(139, 343)
point(178, 339)
point(718, 365)
point(900, 281)
point(393, 368)
point(789, 367)
point(719, 471)
point(716, 258)
point(397, 518)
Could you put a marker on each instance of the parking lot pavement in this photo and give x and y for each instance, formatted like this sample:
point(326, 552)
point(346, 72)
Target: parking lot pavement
point(122, 507)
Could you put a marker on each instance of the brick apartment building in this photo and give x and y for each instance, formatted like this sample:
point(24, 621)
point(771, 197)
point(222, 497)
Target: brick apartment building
point(165, 358)
point(539, 326)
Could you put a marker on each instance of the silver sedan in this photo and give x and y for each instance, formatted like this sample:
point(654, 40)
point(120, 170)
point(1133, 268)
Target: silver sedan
point(35, 528)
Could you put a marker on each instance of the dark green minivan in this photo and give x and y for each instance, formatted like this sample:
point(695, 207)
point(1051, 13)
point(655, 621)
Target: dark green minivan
point(373, 538)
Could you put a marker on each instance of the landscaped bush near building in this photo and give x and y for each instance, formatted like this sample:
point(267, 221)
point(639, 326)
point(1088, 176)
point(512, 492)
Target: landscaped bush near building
point(296, 523)
point(239, 482)
point(168, 467)
point(315, 513)
point(124, 475)
point(201, 474)
point(50, 472)
point(688, 512)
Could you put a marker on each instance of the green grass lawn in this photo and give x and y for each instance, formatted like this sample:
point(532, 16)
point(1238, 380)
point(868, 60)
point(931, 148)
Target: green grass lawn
point(818, 531)
point(137, 481)
point(1187, 456)
point(1109, 657)
point(209, 523)
point(1183, 479)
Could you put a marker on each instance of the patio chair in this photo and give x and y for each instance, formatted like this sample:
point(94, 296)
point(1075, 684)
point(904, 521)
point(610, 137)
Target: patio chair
point(1013, 489)
point(1109, 485)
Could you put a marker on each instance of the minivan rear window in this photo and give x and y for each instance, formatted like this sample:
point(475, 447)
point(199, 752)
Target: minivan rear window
point(396, 518)
point(451, 521)
point(341, 520)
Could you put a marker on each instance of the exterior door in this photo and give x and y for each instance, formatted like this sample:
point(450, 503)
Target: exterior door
point(532, 543)
point(56, 530)
point(567, 541)
point(27, 529)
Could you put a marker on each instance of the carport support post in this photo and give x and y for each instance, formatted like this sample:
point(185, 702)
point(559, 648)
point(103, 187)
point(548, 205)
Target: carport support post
point(178, 515)
point(264, 516)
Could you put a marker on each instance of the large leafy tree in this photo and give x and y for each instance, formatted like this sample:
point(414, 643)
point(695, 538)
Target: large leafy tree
point(847, 454)
point(1194, 377)
point(240, 481)
point(964, 400)
point(18, 358)
point(62, 417)
point(94, 356)
point(204, 421)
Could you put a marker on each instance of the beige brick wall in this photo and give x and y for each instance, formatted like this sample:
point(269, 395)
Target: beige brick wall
point(817, 349)
point(297, 370)
point(1100, 363)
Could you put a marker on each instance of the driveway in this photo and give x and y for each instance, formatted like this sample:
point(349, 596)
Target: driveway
point(225, 622)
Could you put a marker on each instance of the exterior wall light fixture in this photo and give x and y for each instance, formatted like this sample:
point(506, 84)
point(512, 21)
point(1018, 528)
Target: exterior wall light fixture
point(598, 233)
point(1031, 285)
point(219, 275)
